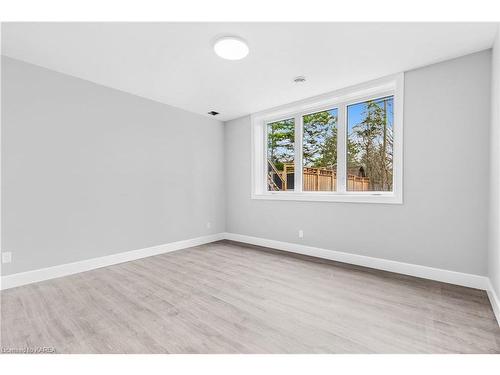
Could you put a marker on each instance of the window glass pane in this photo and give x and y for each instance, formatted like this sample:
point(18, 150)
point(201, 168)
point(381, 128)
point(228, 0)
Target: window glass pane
point(370, 145)
point(319, 151)
point(280, 155)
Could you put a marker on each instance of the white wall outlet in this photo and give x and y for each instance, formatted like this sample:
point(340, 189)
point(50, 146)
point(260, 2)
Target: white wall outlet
point(301, 233)
point(209, 225)
point(6, 257)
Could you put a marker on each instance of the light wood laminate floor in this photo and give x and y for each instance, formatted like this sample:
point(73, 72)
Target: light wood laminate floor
point(227, 297)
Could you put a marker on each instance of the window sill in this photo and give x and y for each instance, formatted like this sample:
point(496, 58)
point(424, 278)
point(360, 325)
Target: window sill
point(382, 198)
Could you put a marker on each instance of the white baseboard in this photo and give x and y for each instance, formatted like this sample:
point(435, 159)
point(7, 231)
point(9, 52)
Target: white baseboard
point(437, 274)
point(452, 277)
point(23, 278)
point(494, 300)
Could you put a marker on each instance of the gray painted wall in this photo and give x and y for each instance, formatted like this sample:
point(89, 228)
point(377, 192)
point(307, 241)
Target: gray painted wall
point(443, 221)
point(494, 248)
point(89, 171)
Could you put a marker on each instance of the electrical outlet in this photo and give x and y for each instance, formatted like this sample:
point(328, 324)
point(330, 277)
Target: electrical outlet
point(209, 225)
point(6, 257)
point(301, 233)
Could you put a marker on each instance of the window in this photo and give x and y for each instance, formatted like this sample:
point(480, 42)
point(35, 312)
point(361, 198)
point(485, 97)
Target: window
point(281, 155)
point(319, 151)
point(345, 146)
point(370, 145)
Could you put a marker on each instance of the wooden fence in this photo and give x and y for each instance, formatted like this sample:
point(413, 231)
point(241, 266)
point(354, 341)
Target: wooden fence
point(314, 179)
point(355, 183)
point(319, 179)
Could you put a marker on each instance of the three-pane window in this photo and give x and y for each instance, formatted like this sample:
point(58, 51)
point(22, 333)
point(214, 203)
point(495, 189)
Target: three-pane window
point(368, 144)
point(345, 146)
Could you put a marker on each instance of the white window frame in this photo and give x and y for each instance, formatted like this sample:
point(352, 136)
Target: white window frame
point(340, 99)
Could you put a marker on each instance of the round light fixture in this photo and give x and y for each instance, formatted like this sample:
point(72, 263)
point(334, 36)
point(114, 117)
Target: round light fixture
point(231, 48)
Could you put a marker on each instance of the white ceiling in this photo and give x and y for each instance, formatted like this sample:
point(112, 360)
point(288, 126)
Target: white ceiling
point(174, 63)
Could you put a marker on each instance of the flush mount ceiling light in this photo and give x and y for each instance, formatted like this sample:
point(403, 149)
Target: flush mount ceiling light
point(231, 48)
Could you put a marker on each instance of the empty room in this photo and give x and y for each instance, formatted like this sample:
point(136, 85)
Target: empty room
point(250, 188)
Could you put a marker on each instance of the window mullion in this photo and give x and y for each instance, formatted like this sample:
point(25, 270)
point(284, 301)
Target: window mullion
point(342, 149)
point(263, 128)
point(298, 154)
